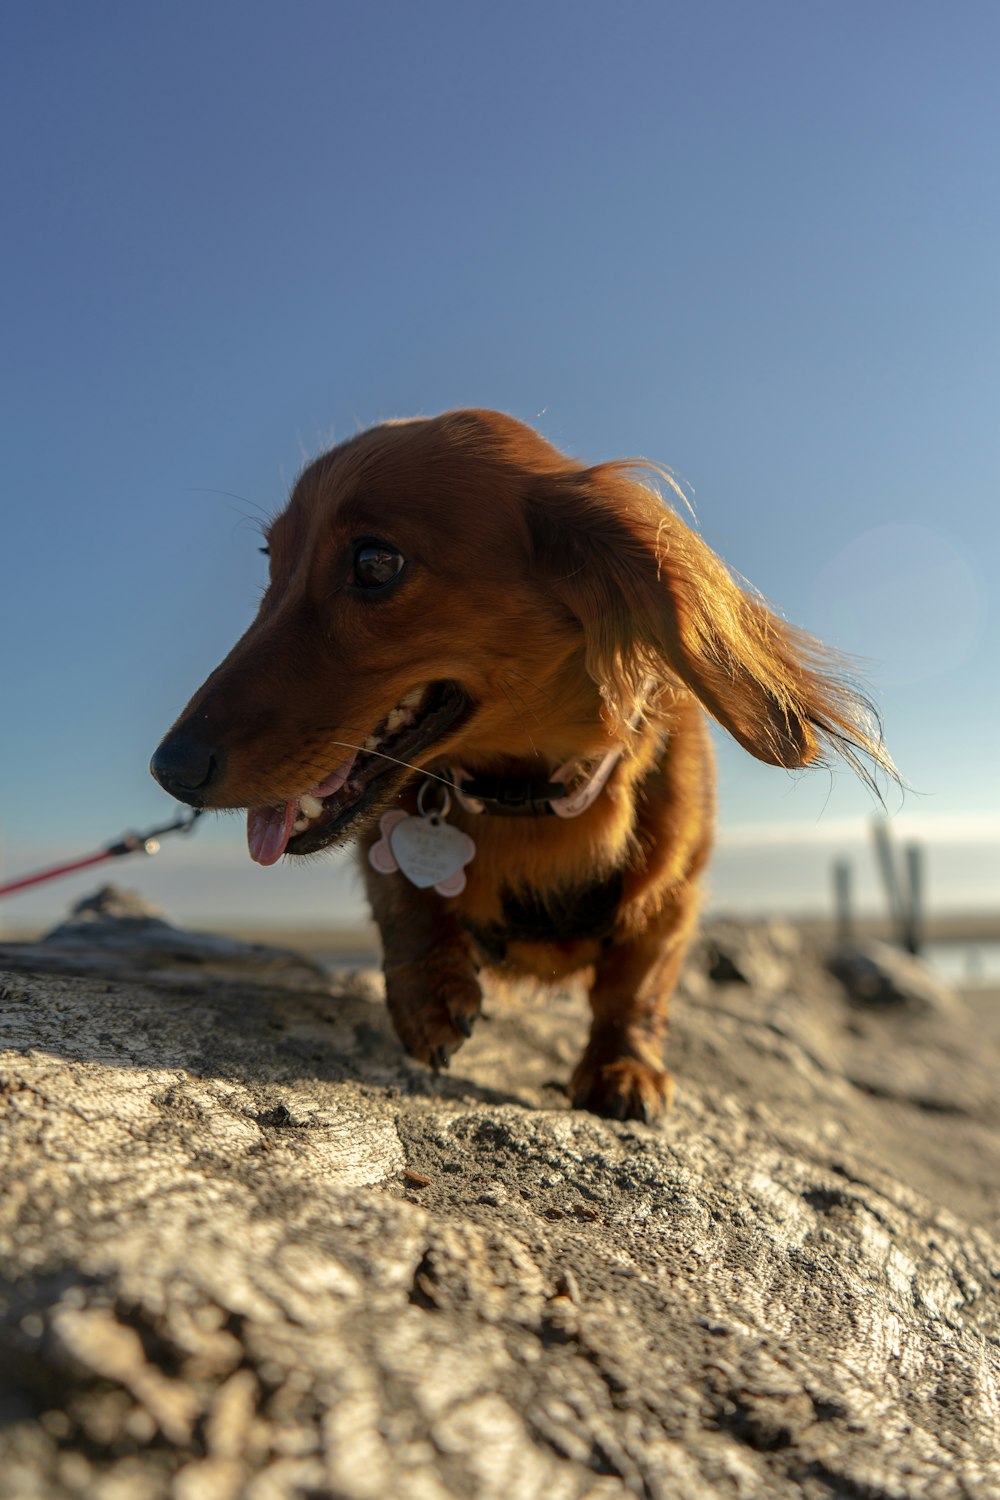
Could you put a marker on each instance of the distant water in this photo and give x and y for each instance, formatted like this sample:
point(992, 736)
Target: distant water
point(968, 965)
point(965, 965)
point(349, 958)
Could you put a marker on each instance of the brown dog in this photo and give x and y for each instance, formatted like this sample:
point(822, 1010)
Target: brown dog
point(495, 642)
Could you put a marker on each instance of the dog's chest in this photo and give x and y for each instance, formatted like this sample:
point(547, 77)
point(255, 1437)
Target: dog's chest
point(566, 914)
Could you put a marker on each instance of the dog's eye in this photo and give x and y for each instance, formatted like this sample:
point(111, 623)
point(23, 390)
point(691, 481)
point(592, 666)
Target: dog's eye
point(375, 564)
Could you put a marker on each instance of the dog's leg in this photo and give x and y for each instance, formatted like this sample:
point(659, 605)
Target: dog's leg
point(621, 1072)
point(430, 974)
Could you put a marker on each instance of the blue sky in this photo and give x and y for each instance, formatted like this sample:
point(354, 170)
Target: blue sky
point(760, 244)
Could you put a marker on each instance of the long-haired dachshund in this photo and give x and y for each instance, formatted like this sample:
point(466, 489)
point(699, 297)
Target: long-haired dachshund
point(491, 665)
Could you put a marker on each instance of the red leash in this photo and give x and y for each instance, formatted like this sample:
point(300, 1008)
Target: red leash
point(130, 844)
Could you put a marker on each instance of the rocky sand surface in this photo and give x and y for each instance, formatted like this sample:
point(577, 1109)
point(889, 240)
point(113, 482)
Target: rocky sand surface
point(247, 1249)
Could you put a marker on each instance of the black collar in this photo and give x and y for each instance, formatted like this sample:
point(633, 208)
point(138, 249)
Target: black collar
point(513, 797)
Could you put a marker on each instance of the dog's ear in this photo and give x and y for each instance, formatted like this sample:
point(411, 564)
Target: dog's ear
point(654, 603)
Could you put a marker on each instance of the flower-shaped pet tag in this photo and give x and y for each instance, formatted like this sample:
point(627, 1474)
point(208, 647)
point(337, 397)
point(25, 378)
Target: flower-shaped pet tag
point(426, 848)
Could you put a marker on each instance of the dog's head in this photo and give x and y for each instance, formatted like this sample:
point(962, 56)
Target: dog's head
point(455, 589)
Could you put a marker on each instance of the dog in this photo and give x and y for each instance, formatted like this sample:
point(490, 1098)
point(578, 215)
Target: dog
point(492, 665)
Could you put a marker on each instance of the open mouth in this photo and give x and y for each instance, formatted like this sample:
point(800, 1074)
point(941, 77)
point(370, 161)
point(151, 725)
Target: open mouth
point(368, 776)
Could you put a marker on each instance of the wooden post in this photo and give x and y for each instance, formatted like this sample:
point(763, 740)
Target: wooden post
point(904, 887)
point(842, 901)
point(890, 876)
point(913, 937)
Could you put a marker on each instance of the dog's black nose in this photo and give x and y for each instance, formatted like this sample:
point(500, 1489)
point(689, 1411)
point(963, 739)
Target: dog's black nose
point(187, 767)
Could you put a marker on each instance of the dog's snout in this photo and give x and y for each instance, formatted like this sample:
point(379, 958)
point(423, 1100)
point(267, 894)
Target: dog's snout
point(187, 767)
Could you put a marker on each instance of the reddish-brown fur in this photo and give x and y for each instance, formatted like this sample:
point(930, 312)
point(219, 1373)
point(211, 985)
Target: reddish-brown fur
point(579, 613)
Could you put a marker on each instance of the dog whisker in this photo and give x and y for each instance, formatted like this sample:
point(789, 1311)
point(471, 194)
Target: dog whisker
point(420, 771)
point(507, 692)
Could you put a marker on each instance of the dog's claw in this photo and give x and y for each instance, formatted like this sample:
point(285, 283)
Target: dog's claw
point(442, 1058)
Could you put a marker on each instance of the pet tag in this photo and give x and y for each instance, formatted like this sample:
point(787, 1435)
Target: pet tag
point(428, 850)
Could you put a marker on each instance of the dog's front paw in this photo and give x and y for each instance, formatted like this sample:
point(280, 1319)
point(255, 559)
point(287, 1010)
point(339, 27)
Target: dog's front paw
point(433, 1015)
point(623, 1088)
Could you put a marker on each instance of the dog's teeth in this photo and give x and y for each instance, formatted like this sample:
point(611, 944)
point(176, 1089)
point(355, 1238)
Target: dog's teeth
point(371, 743)
point(397, 717)
point(311, 806)
point(300, 825)
point(412, 699)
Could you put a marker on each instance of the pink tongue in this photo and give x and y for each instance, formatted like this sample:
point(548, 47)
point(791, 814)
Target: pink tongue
point(269, 829)
point(336, 779)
